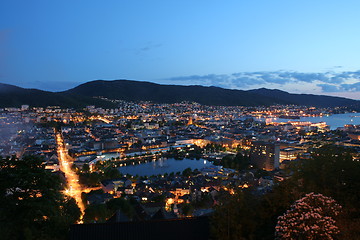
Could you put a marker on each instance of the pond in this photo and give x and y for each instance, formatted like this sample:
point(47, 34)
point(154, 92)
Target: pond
point(164, 165)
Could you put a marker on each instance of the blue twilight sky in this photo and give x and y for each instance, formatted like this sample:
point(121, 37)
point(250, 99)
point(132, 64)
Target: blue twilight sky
point(307, 46)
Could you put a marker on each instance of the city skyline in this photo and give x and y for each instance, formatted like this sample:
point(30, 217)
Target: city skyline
point(303, 47)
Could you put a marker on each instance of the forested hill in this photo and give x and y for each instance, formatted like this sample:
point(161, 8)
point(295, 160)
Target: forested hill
point(12, 96)
point(85, 94)
point(146, 91)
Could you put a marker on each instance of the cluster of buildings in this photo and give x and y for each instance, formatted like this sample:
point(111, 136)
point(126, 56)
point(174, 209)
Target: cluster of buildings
point(170, 192)
point(136, 130)
point(140, 128)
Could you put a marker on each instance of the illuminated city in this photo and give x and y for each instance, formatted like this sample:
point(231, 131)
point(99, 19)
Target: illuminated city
point(179, 120)
point(174, 161)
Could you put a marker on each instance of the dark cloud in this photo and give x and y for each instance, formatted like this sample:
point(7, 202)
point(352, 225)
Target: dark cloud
point(273, 78)
point(211, 77)
point(304, 77)
point(327, 81)
point(329, 88)
point(149, 46)
point(354, 87)
point(220, 80)
point(336, 79)
point(351, 87)
point(246, 81)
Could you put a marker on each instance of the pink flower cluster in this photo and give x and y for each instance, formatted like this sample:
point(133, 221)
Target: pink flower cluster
point(311, 217)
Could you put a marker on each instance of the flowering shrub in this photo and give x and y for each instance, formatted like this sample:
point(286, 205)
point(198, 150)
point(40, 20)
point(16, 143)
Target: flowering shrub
point(311, 217)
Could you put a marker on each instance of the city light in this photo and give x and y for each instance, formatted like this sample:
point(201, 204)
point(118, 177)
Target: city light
point(74, 189)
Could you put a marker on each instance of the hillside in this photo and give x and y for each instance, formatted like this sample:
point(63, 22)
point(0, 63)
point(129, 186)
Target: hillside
point(306, 99)
point(12, 96)
point(83, 95)
point(146, 91)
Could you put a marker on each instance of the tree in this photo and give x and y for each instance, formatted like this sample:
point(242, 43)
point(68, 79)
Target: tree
point(31, 203)
point(311, 217)
point(332, 172)
point(187, 209)
point(86, 168)
point(235, 217)
point(187, 172)
point(96, 213)
point(111, 173)
point(239, 162)
point(122, 204)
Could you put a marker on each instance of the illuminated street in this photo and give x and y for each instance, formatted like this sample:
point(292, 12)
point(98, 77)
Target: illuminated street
point(100, 118)
point(74, 189)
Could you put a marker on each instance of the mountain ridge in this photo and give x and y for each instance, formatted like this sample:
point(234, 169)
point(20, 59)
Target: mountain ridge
point(129, 90)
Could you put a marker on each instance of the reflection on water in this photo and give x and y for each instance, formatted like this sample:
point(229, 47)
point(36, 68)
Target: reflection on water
point(334, 121)
point(161, 163)
point(164, 165)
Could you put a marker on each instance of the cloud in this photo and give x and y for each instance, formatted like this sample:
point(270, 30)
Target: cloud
point(304, 77)
point(329, 81)
point(329, 88)
point(149, 46)
point(351, 87)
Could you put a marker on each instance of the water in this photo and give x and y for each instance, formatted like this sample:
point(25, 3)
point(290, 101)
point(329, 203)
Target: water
point(163, 166)
point(108, 156)
point(334, 121)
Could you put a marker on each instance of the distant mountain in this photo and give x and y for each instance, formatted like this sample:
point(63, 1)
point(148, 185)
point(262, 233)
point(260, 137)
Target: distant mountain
point(12, 96)
point(146, 91)
point(306, 99)
point(84, 94)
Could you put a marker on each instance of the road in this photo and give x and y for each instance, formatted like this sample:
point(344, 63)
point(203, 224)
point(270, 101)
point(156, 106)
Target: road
point(74, 189)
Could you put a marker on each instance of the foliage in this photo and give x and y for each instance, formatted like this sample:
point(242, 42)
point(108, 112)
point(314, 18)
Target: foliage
point(124, 205)
point(32, 206)
point(213, 147)
point(111, 173)
point(235, 218)
point(90, 179)
point(101, 212)
point(187, 172)
point(86, 168)
point(96, 213)
point(187, 209)
point(331, 171)
point(104, 171)
point(311, 217)
point(240, 161)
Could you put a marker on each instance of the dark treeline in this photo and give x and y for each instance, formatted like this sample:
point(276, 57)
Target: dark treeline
point(240, 161)
point(32, 205)
point(331, 172)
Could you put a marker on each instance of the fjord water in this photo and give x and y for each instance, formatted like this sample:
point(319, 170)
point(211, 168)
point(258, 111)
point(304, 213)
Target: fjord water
point(334, 121)
point(163, 166)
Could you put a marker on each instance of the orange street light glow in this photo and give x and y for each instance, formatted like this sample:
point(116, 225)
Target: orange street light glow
point(74, 189)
